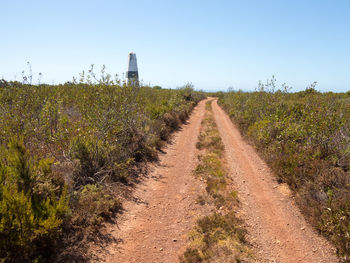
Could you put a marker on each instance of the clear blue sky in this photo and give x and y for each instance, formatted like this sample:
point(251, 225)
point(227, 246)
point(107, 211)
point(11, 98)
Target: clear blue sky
point(213, 44)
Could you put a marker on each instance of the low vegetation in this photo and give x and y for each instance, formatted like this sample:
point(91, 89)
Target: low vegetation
point(220, 236)
point(66, 150)
point(305, 138)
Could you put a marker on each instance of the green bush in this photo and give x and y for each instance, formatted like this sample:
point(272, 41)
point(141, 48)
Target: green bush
point(28, 216)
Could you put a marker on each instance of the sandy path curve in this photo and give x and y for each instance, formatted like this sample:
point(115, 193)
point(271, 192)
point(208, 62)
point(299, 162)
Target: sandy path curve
point(155, 229)
point(276, 227)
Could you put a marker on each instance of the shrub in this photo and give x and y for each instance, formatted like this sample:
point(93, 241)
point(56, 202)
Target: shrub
point(191, 255)
point(29, 219)
point(85, 135)
point(304, 137)
point(93, 205)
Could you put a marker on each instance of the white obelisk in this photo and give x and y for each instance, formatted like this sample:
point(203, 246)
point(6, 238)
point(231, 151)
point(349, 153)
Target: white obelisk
point(132, 74)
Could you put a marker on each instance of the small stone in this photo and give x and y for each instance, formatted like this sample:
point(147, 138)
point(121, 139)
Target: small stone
point(161, 249)
point(303, 228)
point(174, 239)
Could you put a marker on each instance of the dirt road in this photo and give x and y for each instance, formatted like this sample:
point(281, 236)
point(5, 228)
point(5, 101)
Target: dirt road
point(155, 229)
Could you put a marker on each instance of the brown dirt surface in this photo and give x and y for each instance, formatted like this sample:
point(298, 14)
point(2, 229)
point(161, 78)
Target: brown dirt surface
point(277, 229)
point(155, 228)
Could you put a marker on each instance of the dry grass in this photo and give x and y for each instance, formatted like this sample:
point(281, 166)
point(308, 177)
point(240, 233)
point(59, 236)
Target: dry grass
point(220, 236)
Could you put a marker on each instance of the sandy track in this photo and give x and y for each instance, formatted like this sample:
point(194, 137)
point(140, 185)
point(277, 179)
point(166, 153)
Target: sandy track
point(155, 229)
point(276, 227)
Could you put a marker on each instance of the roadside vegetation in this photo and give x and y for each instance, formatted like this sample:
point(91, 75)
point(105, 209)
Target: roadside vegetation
point(65, 153)
point(219, 236)
point(305, 138)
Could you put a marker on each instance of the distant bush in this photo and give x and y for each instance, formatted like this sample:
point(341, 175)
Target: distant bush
point(304, 137)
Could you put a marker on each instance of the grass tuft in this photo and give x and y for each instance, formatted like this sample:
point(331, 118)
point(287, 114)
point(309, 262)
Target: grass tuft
point(219, 237)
